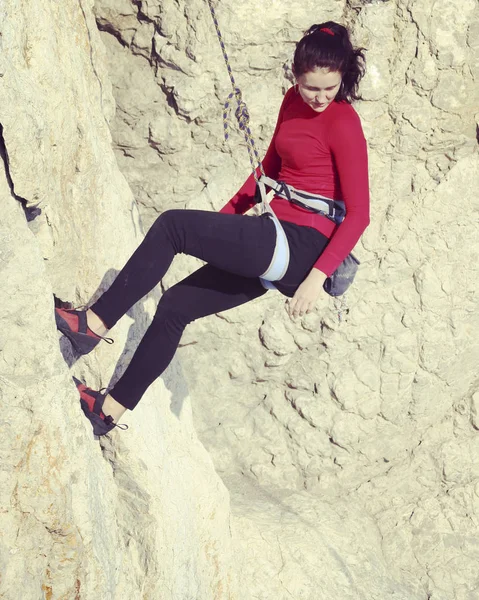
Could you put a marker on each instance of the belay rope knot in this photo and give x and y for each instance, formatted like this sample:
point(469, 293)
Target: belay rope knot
point(241, 112)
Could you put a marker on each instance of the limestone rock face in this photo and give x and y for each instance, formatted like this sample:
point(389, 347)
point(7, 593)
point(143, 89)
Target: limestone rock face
point(345, 443)
point(143, 514)
point(371, 405)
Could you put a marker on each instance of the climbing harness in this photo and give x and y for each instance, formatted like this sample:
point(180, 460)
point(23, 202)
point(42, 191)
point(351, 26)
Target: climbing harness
point(335, 210)
point(341, 279)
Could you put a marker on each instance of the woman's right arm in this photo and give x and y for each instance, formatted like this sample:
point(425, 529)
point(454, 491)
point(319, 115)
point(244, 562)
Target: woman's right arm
point(243, 200)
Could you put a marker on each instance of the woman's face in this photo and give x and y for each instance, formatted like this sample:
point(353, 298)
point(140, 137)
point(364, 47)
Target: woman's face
point(319, 88)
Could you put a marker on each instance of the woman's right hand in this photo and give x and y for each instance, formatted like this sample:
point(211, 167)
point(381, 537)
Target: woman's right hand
point(307, 294)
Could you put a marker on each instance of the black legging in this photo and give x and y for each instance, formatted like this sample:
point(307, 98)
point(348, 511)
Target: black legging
point(237, 248)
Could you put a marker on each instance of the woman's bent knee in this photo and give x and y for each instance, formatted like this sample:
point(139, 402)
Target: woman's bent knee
point(167, 218)
point(173, 308)
point(170, 225)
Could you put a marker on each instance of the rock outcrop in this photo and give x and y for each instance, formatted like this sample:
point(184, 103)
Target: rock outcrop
point(140, 515)
point(345, 444)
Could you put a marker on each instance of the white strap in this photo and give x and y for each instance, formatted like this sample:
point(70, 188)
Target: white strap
point(280, 261)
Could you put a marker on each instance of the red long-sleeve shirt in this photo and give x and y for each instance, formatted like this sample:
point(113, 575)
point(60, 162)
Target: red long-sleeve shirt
point(323, 153)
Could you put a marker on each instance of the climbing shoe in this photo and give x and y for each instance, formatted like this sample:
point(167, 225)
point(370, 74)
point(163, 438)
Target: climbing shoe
point(92, 404)
point(74, 326)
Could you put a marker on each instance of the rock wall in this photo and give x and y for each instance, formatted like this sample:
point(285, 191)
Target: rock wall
point(139, 515)
point(345, 448)
point(368, 409)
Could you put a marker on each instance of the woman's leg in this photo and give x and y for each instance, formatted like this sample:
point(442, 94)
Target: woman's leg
point(238, 244)
point(206, 291)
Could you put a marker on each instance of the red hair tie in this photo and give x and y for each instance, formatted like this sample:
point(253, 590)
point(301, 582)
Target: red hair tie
point(327, 30)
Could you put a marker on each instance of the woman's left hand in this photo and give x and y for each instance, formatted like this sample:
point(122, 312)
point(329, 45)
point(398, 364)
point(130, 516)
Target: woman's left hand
point(304, 300)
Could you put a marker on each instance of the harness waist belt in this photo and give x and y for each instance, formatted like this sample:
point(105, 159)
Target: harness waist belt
point(333, 209)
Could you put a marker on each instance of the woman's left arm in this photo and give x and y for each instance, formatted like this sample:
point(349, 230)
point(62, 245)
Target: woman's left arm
point(349, 150)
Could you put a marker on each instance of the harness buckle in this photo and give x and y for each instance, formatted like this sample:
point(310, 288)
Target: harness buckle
point(284, 190)
point(257, 194)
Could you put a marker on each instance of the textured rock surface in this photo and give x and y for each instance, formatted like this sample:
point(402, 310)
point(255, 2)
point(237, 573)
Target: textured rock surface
point(143, 515)
point(376, 414)
point(349, 448)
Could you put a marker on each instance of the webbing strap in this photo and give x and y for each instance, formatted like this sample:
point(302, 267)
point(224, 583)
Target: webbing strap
point(335, 209)
point(280, 260)
point(241, 112)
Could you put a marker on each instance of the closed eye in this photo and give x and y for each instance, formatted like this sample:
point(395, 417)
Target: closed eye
point(328, 89)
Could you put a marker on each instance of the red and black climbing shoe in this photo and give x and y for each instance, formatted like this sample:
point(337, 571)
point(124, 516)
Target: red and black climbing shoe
point(74, 326)
point(92, 404)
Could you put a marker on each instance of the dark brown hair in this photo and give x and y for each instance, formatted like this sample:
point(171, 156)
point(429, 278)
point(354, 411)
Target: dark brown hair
point(328, 46)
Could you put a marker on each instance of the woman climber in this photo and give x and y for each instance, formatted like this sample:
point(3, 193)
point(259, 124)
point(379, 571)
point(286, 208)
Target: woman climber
point(318, 147)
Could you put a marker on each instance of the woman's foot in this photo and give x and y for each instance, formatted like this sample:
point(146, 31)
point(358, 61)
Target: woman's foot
point(83, 328)
point(101, 410)
point(95, 323)
point(113, 408)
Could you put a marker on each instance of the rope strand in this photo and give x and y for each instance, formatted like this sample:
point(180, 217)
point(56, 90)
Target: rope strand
point(241, 112)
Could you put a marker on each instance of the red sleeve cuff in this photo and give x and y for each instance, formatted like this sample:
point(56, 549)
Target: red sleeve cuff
point(327, 264)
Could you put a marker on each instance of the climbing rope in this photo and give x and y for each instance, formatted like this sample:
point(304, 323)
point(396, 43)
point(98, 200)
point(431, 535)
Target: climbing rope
point(241, 112)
